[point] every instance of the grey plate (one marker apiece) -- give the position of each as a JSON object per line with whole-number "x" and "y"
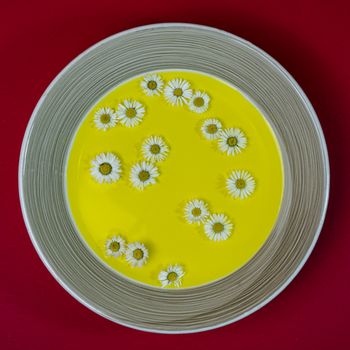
{"x": 89, "y": 77}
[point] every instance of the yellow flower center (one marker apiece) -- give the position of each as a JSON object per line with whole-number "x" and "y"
{"x": 178, "y": 92}
{"x": 172, "y": 276}
{"x": 144, "y": 175}
{"x": 130, "y": 113}
{"x": 196, "y": 212}
{"x": 155, "y": 149}
{"x": 138, "y": 254}
{"x": 152, "y": 85}
{"x": 198, "y": 101}
{"x": 105, "y": 168}
{"x": 212, "y": 129}
{"x": 240, "y": 184}
{"x": 232, "y": 141}
{"x": 114, "y": 246}
{"x": 218, "y": 227}
{"x": 105, "y": 118}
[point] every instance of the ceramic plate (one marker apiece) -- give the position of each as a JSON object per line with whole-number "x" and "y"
{"x": 140, "y": 130}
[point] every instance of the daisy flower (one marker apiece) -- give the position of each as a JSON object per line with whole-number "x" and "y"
{"x": 177, "y": 92}
{"x": 199, "y": 102}
{"x": 154, "y": 149}
{"x": 196, "y": 211}
{"x": 115, "y": 246}
{"x": 152, "y": 84}
{"x": 105, "y": 118}
{"x": 171, "y": 276}
{"x": 240, "y": 184}
{"x": 143, "y": 174}
{"x": 136, "y": 254}
{"x": 130, "y": 113}
{"x": 232, "y": 141}
{"x": 106, "y": 167}
{"x": 218, "y": 227}
{"x": 211, "y": 128}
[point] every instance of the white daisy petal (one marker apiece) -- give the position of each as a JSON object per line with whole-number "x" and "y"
{"x": 171, "y": 276}
{"x": 240, "y": 184}
{"x": 155, "y": 149}
{"x": 115, "y": 246}
{"x": 130, "y": 113}
{"x": 136, "y": 254}
{"x": 211, "y": 128}
{"x": 152, "y": 84}
{"x": 232, "y": 141}
{"x": 105, "y": 118}
{"x": 177, "y": 92}
{"x": 199, "y": 102}
{"x": 196, "y": 211}
{"x": 143, "y": 174}
{"x": 106, "y": 168}
{"x": 218, "y": 227}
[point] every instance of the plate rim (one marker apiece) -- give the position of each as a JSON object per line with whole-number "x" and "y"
{"x": 297, "y": 89}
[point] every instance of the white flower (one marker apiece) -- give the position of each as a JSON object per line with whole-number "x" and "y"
{"x": 152, "y": 84}
{"x": 143, "y": 174}
{"x": 211, "y": 128}
{"x": 240, "y": 184}
{"x": 196, "y": 211}
{"x": 130, "y": 113}
{"x": 115, "y": 246}
{"x": 106, "y": 167}
{"x": 136, "y": 254}
{"x": 105, "y": 118}
{"x": 199, "y": 102}
{"x": 171, "y": 276}
{"x": 177, "y": 92}
{"x": 232, "y": 141}
{"x": 218, "y": 227}
{"x": 155, "y": 149}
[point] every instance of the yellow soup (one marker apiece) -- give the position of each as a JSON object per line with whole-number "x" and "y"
{"x": 194, "y": 168}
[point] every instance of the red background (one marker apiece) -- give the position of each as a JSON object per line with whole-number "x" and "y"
{"x": 309, "y": 38}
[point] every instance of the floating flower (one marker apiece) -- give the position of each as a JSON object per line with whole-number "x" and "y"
{"x": 106, "y": 167}
{"x": 199, "y": 102}
{"x": 152, "y": 84}
{"x": 232, "y": 141}
{"x": 218, "y": 227}
{"x": 155, "y": 149}
{"x": 171, "y": 276}
{"x": 115, "y": 246}
{"x": 177, "y": 92}
{"x": 130, "y": 113}
{"x": 196, "y": 211}
{"x": 143, "y": 174}
{"x": 240, "y": 184}
{"x": 136, "y": 254}
{"x": 211, "y": 128}
{"x": 105, "y": 118}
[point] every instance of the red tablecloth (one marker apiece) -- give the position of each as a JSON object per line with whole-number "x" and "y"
{"x": 309, "y": 38}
